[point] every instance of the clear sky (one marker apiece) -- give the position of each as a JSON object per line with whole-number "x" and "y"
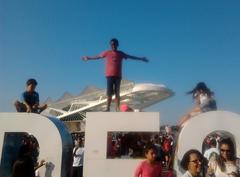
{"x": 186, "y": 42}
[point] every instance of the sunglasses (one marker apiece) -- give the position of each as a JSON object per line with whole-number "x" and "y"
{"x": 225, "y": 150}
{"x": 197, "y": 161}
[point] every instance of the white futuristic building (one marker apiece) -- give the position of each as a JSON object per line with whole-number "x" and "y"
{"x": 72, "y": 109}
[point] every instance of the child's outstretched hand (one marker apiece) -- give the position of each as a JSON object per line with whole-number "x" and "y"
{"x": 43, "y": 162}
{"x": 85, "y": 58}
{"x": 145, "y": 59}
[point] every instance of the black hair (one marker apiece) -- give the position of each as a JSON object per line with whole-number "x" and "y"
{"x": 220, "y": 159}
{"x": 200, "y": 87}
{"x": 114, "y": 40}
{"x": 230, "y": 143}
{"x": 213, "y": 142}
{"x": 149, "y": 147}
{"x": 186, "y": 158}
{"x": 31, "y": 81}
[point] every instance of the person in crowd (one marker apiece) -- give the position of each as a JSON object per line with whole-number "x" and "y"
{"x": 35, "y": 154}
{"x": 167, "y": 149}
{"x": 226, "y": 164}
{"x": 170, "y": 170}
{"x": 213, "y": 149}
{"x": 28, "y": 156}
{"x": 149, "y": 167}
{"x": 24, "y": 165}
{"x": 204, "y": 99}
{"x": 113, "y": 70}
{"x": 159, "y": 151}
{"x": 23, "y": 168}
{"x": 125, "y": 108}
{"x": 78, "y": 153}
{"x": 29, "y": 101}
{"x": 192, "y": 163}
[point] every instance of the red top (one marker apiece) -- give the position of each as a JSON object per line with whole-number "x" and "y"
{"x": 166, "y": 145}
{"x": 149, "y": 170}
{"x": 113, "y": 62}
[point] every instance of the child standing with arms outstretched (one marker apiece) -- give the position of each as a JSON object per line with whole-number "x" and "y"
{"x": 113, "y": 71}
{"x": 149, "y": 167}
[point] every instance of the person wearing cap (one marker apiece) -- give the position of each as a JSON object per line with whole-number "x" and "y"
{"x": 29, "y": 101}
{"x": 204, "y": 99}
{"x": 125, "y": 108}
{"x": 113, "y": 71}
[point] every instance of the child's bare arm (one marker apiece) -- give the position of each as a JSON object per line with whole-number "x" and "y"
{"x": 85, "y": 58}
{"x": 144, "y": 59}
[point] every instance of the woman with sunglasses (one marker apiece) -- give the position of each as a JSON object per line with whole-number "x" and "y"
{"x": 204, "y": 99}
{"x": 192, "y": 163}
{"x": 226, "y": 164}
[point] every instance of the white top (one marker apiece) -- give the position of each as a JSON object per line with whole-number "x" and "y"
{"x": 78, "y": 157}
{"x": 203, "y": 99}
{"x": 208, "y": 152}
{"x": 187, "y": 174}
{"x": 230, "y": 167}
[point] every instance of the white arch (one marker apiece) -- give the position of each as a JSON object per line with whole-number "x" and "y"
{"x": 54, "y": 140}
{"x": 196, "y": 129}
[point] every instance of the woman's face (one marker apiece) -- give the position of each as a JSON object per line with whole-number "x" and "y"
{"x": 197, "y": 96}
{"x": 225, "y": 151}
{"x": 194, "y": 164}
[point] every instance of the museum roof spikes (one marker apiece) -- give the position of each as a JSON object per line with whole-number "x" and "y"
{"x": 89, "y": 90}
{"x": 66, "y": 96}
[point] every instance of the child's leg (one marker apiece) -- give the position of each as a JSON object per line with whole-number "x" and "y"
{"x": 117, "y": 100}
{"x": 117, "y": 84}
{"x": 166, "y": 160}
{"x": 20, "y": 107}
{"x": 109, "y": 100}
{"x": 42, "y": 108}
{"x": 183, "y": 120}
{"x": 109, "y": 92}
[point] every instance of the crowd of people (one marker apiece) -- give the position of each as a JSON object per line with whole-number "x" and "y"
{"x": 126, "y": 145}
{"x": 132, "y": 144}
{"x": 218, "y": 157}
{"x": 159, "y": 154}
{"x": 222, "y": 162}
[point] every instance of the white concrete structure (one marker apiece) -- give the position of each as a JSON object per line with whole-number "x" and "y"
{"x": 54, "y": 140}
{"x": 196, "y": 129}
{"x": 97, "y": 126}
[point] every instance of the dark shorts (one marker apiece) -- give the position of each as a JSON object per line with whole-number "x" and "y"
{"x": 113, "y": 86}
{"x": 77, "y": 171}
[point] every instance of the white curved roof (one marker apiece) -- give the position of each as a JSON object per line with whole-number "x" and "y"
{"x": 137, "y": 96}
{"x": 148, "y": 87}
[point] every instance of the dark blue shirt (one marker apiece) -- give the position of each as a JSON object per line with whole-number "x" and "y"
{"x": 30, "y": 98}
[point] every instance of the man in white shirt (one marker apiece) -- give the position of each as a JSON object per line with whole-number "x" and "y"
{"x": 78, "y": 152}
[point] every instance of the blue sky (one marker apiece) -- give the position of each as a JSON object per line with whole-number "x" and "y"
{"x": 185, "y": 41}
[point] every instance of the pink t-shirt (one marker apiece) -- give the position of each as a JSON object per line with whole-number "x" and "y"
{"x": 149, "y": 170}
{"x": 113, "y": 62}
